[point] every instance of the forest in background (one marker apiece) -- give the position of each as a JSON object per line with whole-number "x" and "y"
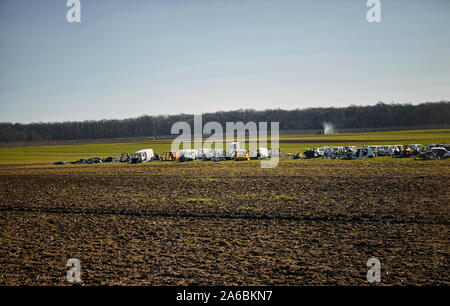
{"x": 381, "y": 115}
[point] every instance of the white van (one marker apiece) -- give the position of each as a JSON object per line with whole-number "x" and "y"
{"x": 363, "y": 152}
{"x": 142, "y": 156}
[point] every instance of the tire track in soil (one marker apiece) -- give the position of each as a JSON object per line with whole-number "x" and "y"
{"x": 339, "y": 219}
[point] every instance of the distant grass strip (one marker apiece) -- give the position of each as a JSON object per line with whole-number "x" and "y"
{"x": 199, "y": 200}
{"x": 48, "y": 154}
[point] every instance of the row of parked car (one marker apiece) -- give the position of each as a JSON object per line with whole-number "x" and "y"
{"x": 418, "y": 151}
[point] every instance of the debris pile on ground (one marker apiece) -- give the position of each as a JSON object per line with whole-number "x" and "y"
{"x": 418, "y": 151}
{"x": 92, "y": 160}
{"x": 137, "y": 157}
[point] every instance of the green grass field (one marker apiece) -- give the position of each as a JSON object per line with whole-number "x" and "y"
{"x": 288, "y": 143}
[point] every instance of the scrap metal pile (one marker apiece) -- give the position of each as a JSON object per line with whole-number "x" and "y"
{"x": 417, "y": 151}
{"x": 234, "y": 152}
{"x": 137, "y": 157}
{"x": 146, "y": 155}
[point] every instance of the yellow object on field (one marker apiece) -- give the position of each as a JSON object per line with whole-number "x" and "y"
{"x": 241, "y": 155}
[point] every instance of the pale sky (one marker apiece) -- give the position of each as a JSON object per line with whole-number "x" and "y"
{"x": 128, "y": 58}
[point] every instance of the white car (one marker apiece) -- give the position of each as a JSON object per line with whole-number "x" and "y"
{"x": 187, "y": 155}
{"x": 363, "y": 152}
{"x": 440, "y": 152}
{"x": 260, "y": 153}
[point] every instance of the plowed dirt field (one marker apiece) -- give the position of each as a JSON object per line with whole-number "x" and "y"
{"x": 305, "y": 222}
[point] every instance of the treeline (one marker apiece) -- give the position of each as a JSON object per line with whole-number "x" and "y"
{"x": 377, "y": 116}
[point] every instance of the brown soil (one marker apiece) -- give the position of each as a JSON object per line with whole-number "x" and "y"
{"x": 226, "y": 223}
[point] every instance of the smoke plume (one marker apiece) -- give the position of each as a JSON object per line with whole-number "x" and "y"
{"x": 328, "y": 128}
